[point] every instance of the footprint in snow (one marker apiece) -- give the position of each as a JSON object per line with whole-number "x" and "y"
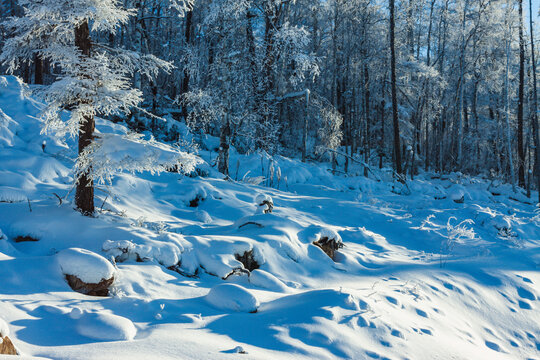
{"x": 385, "y": 343}
{"x": 426, "y": 331}
{"x": 362, "y": 322}
{"x": 392, "y": 300}
{"x": 524, "y": 305}
{"x": 422, "y": 313}
{"x": 527, "y": 280}
{"x": 526, "y": 294}
{"x": 513, "y": 343}
{"x": 452, "y": 287}
{"x": 397, "y": 333}
{"x": 493, "y": 346}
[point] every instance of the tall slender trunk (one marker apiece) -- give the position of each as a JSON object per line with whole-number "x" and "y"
{"x": 507, "y": 114}
{"x": 223, "y": 157}
{"x": 397, "y": 146}
{"x": 185, "y": 80}
{"x": 367, "y": 94}
{"x": 535, "y": 104}
{"x": 521, "y": 150}
{"x": 84, "y": 193}
{"x": 38, "y": 69}
{"x": 461, "y": 88}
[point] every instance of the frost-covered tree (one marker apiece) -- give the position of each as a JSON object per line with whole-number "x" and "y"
{"x": 94, "y": 79}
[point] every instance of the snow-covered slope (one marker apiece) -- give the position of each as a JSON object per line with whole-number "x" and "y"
{"x": 420, "y": 276}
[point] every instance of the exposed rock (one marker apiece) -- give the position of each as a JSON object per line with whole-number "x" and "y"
{"x": 6, "y": 346}
{"x": 99, "y": 289}
{"x": 85, "y": 271}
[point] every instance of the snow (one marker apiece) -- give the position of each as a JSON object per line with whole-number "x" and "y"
{"x": 165, "y": 254}
{"x": 106, "y": 327}
{"x": 88, "y": 266}
{"x": 4, "y": 329}
{"x": 419, "y": 276}
{"x": 330, "y": 234}
{"x": 232, "y": 297}
{"x": 266, "y": 280}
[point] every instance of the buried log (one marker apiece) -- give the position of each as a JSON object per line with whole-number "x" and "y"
{"x": 25, "y": 238}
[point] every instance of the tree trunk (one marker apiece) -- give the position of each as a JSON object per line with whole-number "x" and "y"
{"x": 535, "y": 104}
{"x": 84, "y": 194}
{"x": 38, "y": 69}
{"x": 223, "y": 158}
{"x": 397, "y": 147}
{"x": 305, "y": 133}
{"x": 521, "y": 150}
{"x": 185, "y": 80}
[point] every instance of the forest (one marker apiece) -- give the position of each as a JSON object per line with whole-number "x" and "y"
{"x": 439, "y": 86}
{"x": 269, "y": 179}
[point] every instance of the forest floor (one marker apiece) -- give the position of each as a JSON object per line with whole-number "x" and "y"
{"x": 446, "y": 267}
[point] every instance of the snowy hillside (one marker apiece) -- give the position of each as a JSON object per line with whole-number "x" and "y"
{"x": 448, "y": 267}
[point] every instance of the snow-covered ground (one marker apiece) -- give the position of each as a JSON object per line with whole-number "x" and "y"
{"x": 421, "y": 274}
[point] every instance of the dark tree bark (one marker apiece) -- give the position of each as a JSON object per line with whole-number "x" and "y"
{"x": 38, "y": 69}
{"x": 535, "y": 104}
{"x": 84, "y": 194}
{"x": 521, "y": 150}
{"x": 223, "y": 159}
{"x": 185, "y": 80}
{"x": 397, "y": 147}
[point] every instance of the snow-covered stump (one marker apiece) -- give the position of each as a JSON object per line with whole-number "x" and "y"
{"x": 6, "y": 346}
{"x": 330, "y": 242}
{"x": 86, "y": 272}
{"x": 265, "y": 204}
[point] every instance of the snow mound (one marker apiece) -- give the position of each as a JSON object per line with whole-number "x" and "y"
{"x": 266, "y": 280}
{"x": 330, "y": 235}
{"x": 203, "y": 216}
{"x": 7, "y": 129}
{"x": 232, "y": 297}
{"x": 166, "y": 254}
{"x": 105, "y": 327}
{"x": 4, "y": 329}
{"x": 84, "y": 264}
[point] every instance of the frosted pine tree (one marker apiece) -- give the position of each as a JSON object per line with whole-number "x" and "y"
{"x": 94, "y": 80}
